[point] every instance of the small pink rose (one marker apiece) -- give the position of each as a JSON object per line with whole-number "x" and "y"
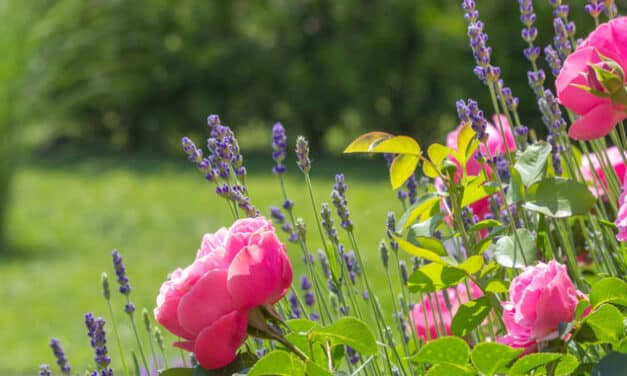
{"x": 207, "y": 303}
{"x": 590, "y": 163}
{"x": 540, "y": 298}
{"x": 457, "y": 296}
{"x": 621, "y": 217}
{"x": 598, "y": 114}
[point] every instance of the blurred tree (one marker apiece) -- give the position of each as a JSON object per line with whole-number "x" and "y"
{"x": 135, "y": 73}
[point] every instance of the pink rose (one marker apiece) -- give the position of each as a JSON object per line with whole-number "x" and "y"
{"x": 207, "y": 303}
{"x": 473, "y": 167}
{"x": 541, "y": 298}
{"x": 433, "y": 322}
{"x": 599, "y": 114}
{"x": 621, "y": 216}
{"x": 590, "y": 163}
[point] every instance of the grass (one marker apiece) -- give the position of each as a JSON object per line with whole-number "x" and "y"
{"x": 70, "y": 209}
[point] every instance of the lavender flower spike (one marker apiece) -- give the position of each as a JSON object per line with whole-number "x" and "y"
{"x": 58, "y": 352}
{"x": 279, "y": 147}
{"x": 95, "y": 331}
{"x": 44, "y": 370}
{"x": 120, "y": 271}
{"x": 302, "y": 154}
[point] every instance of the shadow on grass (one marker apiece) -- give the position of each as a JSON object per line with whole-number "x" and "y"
{"x": 21, "y": 252}
{"x": 99, "y": 160}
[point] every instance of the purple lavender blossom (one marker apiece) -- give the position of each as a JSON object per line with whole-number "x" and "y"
{"x": 502, "y": 167}
{"x": 292, "y": 299}
{"x": 305, "y": 284}
{"x": 120, "y": 271}
{"x": 595, "y": 8}
{"x": 552, "y": 57}
{"x": 560, "y": 40}
{"x": 384, "y": 254}
{"x": 327, "y": 223}
{"x": 58, "y": 352}
{"x": 279, "y": 148}
{"x": 352, "y": 355}
{"x": 310, "y": 298}
{"x": 412, "y": 189}
{"x": 95, "y": 331}
{"x": 391, "y": 230}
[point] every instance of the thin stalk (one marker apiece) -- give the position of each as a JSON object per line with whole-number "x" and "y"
{"x": 117, "y": 337}
{"x": 139, "y": 343}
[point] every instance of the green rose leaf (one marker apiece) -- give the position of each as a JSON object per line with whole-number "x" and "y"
{"x": 472, "y": 264}
{"x": 496, "y": 286}
{"x": 366, "y": 142}
{"x": 347, "y": 331}
{"x": 397, "y": 145}
{"x": 611, "y": 364}
{"x": 418, "y": 251}
{"x": 559, "y": 198}
{"x": 515, "y": 193}
{"x": 442, "y": 369}
{"x": 531, "y": 164}
{"x": 402, "y": 167}
{"x": 437, "y": 153}
{"x": 315, "y": 370}
{"x": 444, "y": 350}
{"x": 604, "y": 325}
{"x": 178, "y": 372}
{"x": 433, "y": 277}
{"x": 507, "y": 250}
{"x": 490, "y": 358}
{"x": 567, "y": 365}
{"x": 470, "y": 315}
{"x": 609, "y": 290}
{"x": 526, "y": 364}
{"x": 485, "y": 224}
{"x": 420, "y": 210}
{"x": 279, "y": 363}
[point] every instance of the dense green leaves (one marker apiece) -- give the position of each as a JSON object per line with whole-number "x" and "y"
{"x": 470, "y": 315}
{"x": 559, "y": 198}
{"x": 444, "y": 350}
{"x": 420, "y": 210}
{"x": 516, "y": 251}
{"x": 490, "y": 358}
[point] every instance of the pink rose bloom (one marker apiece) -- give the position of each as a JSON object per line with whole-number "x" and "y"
{"x": 598, "y": 115}
{"x": 541, "y": 298}
{"x": 207, "y": 303}
{"x": 473, "y": 167}
{"x": 621, "y": 217}
{"x": 588, "y": 165}
{"x": 433, "y": 318}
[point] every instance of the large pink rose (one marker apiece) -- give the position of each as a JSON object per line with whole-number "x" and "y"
{"x": 598, "y": 115}
{"x": 433, "y": 317}
{"x": 495, "y": 144}
{"x": 207, "y": 303}
{"x": 540, "y": 298}
{"x": 590, "y": 163}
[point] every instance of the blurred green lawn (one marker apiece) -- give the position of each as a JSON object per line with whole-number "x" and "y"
{"x": 70, "y": 209}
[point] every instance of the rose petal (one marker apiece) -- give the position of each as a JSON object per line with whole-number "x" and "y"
{"x": 206, "y": 302}
{"x": 577, "y": 99}
{"x": 216, "y": 345}
{"x": 597, "y": 123}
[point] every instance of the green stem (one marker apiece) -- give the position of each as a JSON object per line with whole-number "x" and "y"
{"x": 117, "y": 337}
{"x": 139, "y": 343}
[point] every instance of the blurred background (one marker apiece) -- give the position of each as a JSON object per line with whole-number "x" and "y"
{"x": 95, "y": 96}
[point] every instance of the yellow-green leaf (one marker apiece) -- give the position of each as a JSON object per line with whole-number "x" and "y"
{"x": 365, "y": 142}
{"x": 464, "y": 140}
{"x": 418, "y": 251}
{"x": 398, "y": 145}
{"x": 476, "y": 190}
{"x": 403, "y": 166}
{"x": 437, "y": 153}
